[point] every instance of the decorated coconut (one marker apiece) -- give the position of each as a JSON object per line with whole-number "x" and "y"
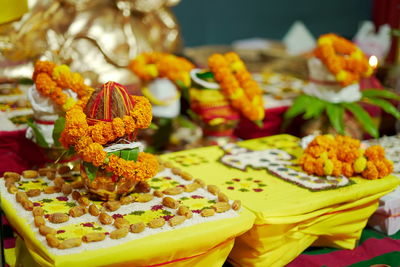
{"x": 103, "y": 132}
{"x": 56, "y": 89}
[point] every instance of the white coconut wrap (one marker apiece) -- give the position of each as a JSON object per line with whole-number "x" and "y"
{"x": 163, "y": 89}
{"x": 45, "y": 111}
{"x": 323, "y": 85}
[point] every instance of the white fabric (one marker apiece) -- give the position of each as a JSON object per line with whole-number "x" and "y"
{"x": 117, "y": 147}
{"x": 373, "y": 42}
{"x": 205, "y": 84}
{"x": 46, "y": 110}
{"x": 164, "y": 89}
{"x": 298, "y": 39}
{"x": 329, "y": 93}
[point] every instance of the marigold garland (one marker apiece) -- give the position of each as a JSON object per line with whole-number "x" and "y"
{"x": 148, "y": 66}
{"x": 50, "y": 81}
{"x": 88, "y": 140}
{"x": 238, "y": 85}
{"x": 341, "y": 155}
{"x": 342, "y": 58}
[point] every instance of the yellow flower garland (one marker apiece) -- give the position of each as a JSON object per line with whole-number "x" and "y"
{"x": 238, "y": 85}
{"x": 148, "y": 66}
{"x": 342, "y": 58}
{"x": 51, "y": 80}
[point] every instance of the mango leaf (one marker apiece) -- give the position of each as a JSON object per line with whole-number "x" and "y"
{"x": 363, "y": 118}
{"x": 130, "y": 154}
{"x": 386, "y": 106}
{"x": 315, "y": 109}
{"x": 38, "y": 134}
{"x": 205, "y": 75}
{"x": 380, "y": 93}
{"x": 335, "y": 114}
{"x": 184, "y": 122}
{"x": 59, "y": 126}
{"x": 91, "y": 170}
{"x": 299, "y": 106}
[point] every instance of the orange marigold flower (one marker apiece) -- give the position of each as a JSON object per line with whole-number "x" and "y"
{"x": 370, "y": 172}
{"x": 83, "y": 143}
{"x": 141, "y": 113}
{"x": 347, "y": 169}
{"x": 382, "y": 168}
{"x": 129, "y": 124}
{"x": 118, "y": 127}
{"x": 319, "y": 167}
{"x": 375, "y": 153}
{"x": 96, "y": 131}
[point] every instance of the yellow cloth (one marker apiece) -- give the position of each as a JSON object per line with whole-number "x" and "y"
{"x": 12, "y": 9}
{"x": 289, "y": 218}
{"x": 205, "y": 243}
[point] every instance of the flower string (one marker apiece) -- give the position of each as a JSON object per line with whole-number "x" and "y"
{"x": 238, "y": 85}
{"x": 341, "y": 155}
{"x": 342, "y": 58}
{"x": 50, "y": 81}
{"x": 148, "y": 66}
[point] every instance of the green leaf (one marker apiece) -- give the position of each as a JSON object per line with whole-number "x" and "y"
{"x": 180, "y": 84}
{"x": 315, "y": 108}
{"x": 205, "y": 75}
{"x": 299, "y": 106}
{"x": 363, "y": 118}
{"x": 335, "y": 114}
{"x": 130, "y": 154}
{"x": 184, "y": 122}
{"x": 46, "y": 200}
{"x": 38, "y": 135}
{"x": 59, "y": 126}
{"x": 91, "y": 170}
{"x": 380, "y": 93}
{"x": 386, "y": 106}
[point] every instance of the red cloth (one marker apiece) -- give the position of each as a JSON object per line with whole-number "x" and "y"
{"x": 18, "y": 153}
{"x": 271, "y": 124}
{"x": 369, "y": 249}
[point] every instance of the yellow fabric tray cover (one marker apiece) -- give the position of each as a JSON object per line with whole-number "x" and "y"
{"x": 289, "y": 218}
{"x": 201, "y": 244}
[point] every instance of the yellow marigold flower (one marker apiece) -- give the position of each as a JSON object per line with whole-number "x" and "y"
{"x": 69, "y": 103}
{"x": 328, "y": 167}
{"x": 360, "y": 164}
{"x": 341, "y": 76}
